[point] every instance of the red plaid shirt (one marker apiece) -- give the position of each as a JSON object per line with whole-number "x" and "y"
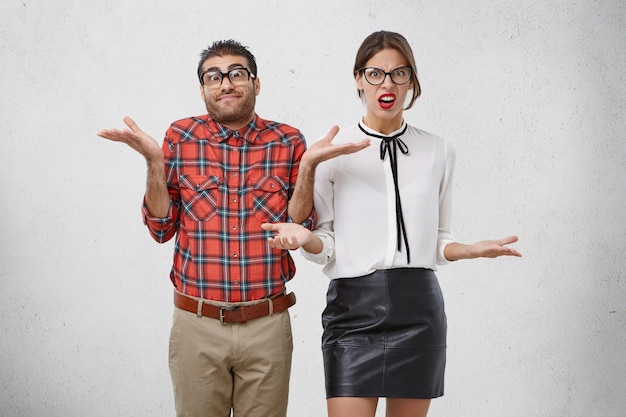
{"x": 223, "y": 185}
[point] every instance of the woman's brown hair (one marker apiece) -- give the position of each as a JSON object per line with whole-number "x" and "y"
{"x": 380, "y": 40}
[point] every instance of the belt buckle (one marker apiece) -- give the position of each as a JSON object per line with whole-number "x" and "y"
{"x": 223, "y": 316}
{"x": 238, "y": 309}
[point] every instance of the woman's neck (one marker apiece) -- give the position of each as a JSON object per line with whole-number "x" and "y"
{"x": 385, "y": 127}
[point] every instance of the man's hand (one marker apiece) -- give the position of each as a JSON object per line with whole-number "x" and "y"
{"x": 136, "y": 139}
{"x": 323, "y": 149}
{"x": 291, "y": 236}
{"x": 157, "y": 196}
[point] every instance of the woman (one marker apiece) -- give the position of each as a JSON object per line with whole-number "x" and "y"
{"x": 383, "y": 225}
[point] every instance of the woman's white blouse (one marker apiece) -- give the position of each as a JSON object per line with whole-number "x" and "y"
{"x": 355, "y": 205}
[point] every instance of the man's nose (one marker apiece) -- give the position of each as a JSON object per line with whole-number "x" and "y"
{"x": 226, "y": 84}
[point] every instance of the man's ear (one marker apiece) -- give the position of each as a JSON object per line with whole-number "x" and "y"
{"x": 257, "y": 86}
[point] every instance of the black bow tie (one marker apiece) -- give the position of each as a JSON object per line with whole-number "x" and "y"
{"x": 391, "y": 144}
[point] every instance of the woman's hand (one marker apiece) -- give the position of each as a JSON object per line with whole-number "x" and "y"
{"x": 483, "y": 249}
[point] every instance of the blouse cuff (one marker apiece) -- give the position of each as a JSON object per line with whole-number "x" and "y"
{"x": 441, "y": 259}
{"x": 321, "y": 258}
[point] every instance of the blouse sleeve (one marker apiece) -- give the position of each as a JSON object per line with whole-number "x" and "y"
{"x": 444, "y": 236}
{"x": 324, "y": 211}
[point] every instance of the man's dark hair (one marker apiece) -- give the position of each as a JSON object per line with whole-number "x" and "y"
{"x": 227, "y": 47}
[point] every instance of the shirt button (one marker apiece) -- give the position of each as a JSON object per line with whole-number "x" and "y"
{"x": 235, "y": 255}
{"x": 234, "y": 174}
{"x": 234, "y": 227}
{"x": 234, "y": 200}
{"x": 236, "y": 282}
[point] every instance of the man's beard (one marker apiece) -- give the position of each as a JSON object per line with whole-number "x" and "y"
{"x": 239, "y": 115}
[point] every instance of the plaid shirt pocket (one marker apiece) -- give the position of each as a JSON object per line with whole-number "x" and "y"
{"x": 198, "y": 195}
{"x": 269, "y": 199}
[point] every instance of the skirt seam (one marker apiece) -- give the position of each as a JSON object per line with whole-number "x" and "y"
{"x": 383, "y": 347}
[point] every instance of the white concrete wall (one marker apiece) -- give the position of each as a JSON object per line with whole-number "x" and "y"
{"x": 530, "y": 92}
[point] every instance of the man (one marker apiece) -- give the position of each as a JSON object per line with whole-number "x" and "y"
{"x": 212, "y": 184}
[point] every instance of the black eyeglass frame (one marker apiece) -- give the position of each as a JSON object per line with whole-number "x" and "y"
{"x": 227, "y": 74}
{"x": 390, "y": 74}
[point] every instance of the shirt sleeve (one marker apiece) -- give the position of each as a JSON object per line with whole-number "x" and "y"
{"x": 163, "y": 229}
{"x": 300, "y": 148}
{"x": 444, "y": 237}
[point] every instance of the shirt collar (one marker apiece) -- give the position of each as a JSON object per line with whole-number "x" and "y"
{"x": 392, "y": 134}
{"x": 221, "y": 133}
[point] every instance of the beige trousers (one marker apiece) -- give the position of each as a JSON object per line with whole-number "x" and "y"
{"x": 216, "y": 368}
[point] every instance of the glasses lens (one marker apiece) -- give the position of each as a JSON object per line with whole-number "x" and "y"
{"x": 374, "y": 76}
{"x": 401, "y": 75}
{"x": 238, "y": 76}
{"x": 212, "y": 79}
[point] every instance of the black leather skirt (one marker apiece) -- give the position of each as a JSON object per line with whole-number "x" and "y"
{"x": 385, "y": 335}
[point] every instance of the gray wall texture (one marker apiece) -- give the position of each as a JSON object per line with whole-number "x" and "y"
{"x": 531, "y": 93}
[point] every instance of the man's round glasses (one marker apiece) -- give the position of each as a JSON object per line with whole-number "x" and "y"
{"x": 236, "y": 76}
{"x": 376, "y": 76}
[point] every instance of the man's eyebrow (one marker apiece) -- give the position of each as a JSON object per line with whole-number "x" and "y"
{"x": 231, "y": 66}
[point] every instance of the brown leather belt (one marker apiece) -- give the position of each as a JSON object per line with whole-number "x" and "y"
{"x": 238, "y": 314}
